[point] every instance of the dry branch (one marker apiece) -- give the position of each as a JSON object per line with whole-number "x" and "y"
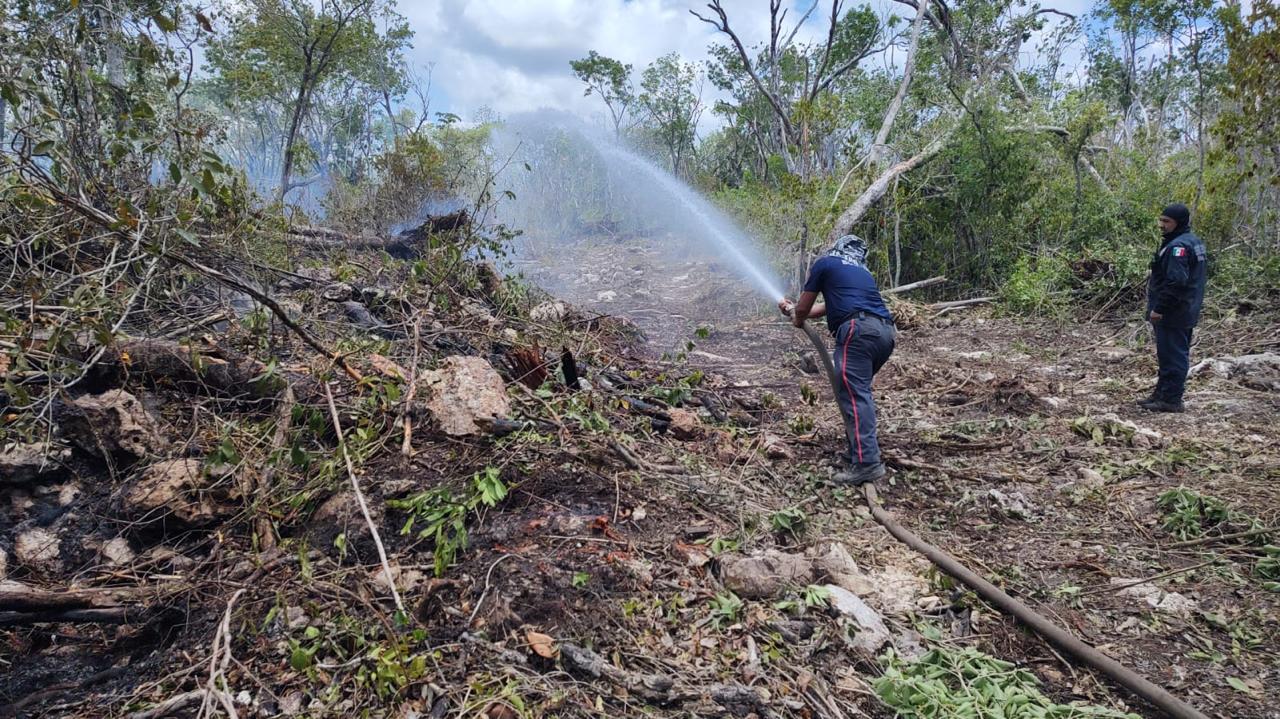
{"x": 364, "y": 506}
{"x": 916, "y": 285}
{"x": 220, "y": 370}
{"x": 23, "y": 605}
{"x": 405, "y": 242}
{"x": 876, "y": 190}
{"x": 878, "y": 146}
{"x": 961, "y": 303}
{"x": 276, "y": 309}
{"x": 18, "y": 597}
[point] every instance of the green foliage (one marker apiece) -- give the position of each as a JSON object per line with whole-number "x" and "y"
{"x": 312, "y": 74}
{"x": 673, "y": 106}
{"x": 815, "y": 596}
{"x": 610, "y": 80}
{"x": 105, "y": 176}
{"x": 1032, "y": 285}
{"x": 1267, "y": 568}
{"x": 726, "y": 609}
{"x": 962, "y": 682}
{"x": 442, "y": 515}
{"x": 1189, "y": 514}
{"x": 790, "y": 520}
{"x": 386, "y": 665}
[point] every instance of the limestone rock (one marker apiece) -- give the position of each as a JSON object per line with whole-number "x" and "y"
{"x": 337, "y": 509}
{"x": 685, "y": 425}
{"x": 871, "y": 634}
{"x": 1014, "y": 505}
{"x": 767, "y": 575}
{"x": 690, "y": 555}
{"x": 548, "y": 312}
{"x": 28, "y": 462}
{"x": 833, "y": 560}
{"x": 171, "y": 488}
{"x": 360, "y": 316}
{"x": 114, "y": 421}
{"x": 1256, "y": 371}
{"x": 1113, "y": 354}
{"x": 1091, "y": 478}
{"x": 38, "y": 549}
{"x": 1158, "y": 599}
{"x": 117, "y": 551}
{"x": 476, "y": 310}
{"x": 775, "y": 447}
{"x": 464, "y": 392}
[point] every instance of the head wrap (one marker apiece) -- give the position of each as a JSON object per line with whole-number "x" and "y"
{"x": 851, "y": 249}
{"x": 1179, "y": 213}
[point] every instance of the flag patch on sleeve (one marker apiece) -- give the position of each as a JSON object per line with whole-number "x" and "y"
{"x": 1179, "y": 251}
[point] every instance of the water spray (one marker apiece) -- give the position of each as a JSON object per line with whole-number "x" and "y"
{"x": 718, "y": 227}
{"x": 625, "y": 177}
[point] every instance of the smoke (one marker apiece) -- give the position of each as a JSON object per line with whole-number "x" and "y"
{"x": 566, "y": 184}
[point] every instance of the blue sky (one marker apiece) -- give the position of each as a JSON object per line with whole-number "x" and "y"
{"x": 513, "y": 56}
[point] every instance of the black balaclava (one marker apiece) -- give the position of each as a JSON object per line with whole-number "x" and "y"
{"x": 1179, "y": 213}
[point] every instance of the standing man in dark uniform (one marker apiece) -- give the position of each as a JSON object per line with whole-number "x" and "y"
{"x": 865, "y": 336}
{"x": 1175, "y": 293}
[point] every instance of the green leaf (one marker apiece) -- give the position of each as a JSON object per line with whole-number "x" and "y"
{"x": 164, "y": 22}
{"x": 10, "y": 95}
{"x": 491, "y": 487}
{"x": 300, "y": 659}
{"x": 1239, "y": 685}
{"x": 44, "y": 147}
{"x": 187, "y": 236}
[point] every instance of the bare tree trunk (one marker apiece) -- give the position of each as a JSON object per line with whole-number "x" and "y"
{"x": 391, "y": 116}
{"x": 1195, "y": 41}
{"x": 295, "y": 123}
{"x": 877, "y": 151}
{"x": 876, "y": 190}
{"x": 897, "y": 236}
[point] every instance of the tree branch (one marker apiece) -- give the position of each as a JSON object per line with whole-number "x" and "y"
{"x": 876, "y": 190}
{"x": 723, "y": 26}
{"x": 891, "y": 114}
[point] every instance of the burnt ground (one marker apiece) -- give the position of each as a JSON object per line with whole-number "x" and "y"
{"x": 595, "y": 587}
{"x": 973, "y": 403}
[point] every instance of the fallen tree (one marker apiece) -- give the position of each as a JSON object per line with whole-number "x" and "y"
{"x": 404, "y": 244}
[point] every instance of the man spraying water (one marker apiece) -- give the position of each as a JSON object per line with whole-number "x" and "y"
{"x": 864, "y": 336}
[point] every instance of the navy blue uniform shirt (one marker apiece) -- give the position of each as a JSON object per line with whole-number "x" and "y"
{"x": 1176, "y": 286}
{"x": 847, "y": 289}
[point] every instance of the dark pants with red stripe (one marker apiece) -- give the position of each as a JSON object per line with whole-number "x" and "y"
{"x": 863, "y": 345}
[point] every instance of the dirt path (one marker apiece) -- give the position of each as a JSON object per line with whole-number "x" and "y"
{"x": 1017, "y": 446}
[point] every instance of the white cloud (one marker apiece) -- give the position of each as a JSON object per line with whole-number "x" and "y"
{"x": 513, "y": 56}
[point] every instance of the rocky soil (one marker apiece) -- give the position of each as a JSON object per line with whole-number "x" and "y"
{"x": 524, "y": 508}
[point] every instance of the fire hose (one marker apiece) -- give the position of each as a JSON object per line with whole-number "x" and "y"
{"x": 1056, "y": 635}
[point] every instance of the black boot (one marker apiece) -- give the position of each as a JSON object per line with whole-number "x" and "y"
{"x": 1164, "y": 405}
{"x": 1152, "y": 399}
{"x": 861, "y": 473}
